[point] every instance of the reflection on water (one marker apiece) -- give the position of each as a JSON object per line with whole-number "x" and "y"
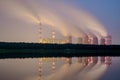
{"x": 76, "y": 68}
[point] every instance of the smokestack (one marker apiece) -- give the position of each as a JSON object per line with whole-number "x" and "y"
{"x": 108, "y": 40}
{"x": 40, "y": 32}
{"x": 93, "y": 40}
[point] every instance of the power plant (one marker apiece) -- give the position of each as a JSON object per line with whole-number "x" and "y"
{"x": 85, "y": 39}
{"x": 62, "y": 23}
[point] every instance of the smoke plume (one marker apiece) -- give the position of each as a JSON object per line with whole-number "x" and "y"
{"x": 65, "y": 18}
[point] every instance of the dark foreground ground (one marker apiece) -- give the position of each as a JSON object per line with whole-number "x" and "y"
{"x": 36, "y": 50}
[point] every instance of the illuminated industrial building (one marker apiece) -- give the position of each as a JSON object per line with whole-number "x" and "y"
{"x": 86, "y": 39}
{"x": 108, "y": 40}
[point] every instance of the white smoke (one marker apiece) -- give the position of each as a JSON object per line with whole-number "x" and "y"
{"x": 67, "y": 19}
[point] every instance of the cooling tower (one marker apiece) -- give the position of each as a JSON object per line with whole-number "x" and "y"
{"x": 102, "y": 41}
{"x": 93, "y": 40}
{"x": 85, "y": 39}
{"x": 69, "y": 39}
{"x": 108, "y": 40}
